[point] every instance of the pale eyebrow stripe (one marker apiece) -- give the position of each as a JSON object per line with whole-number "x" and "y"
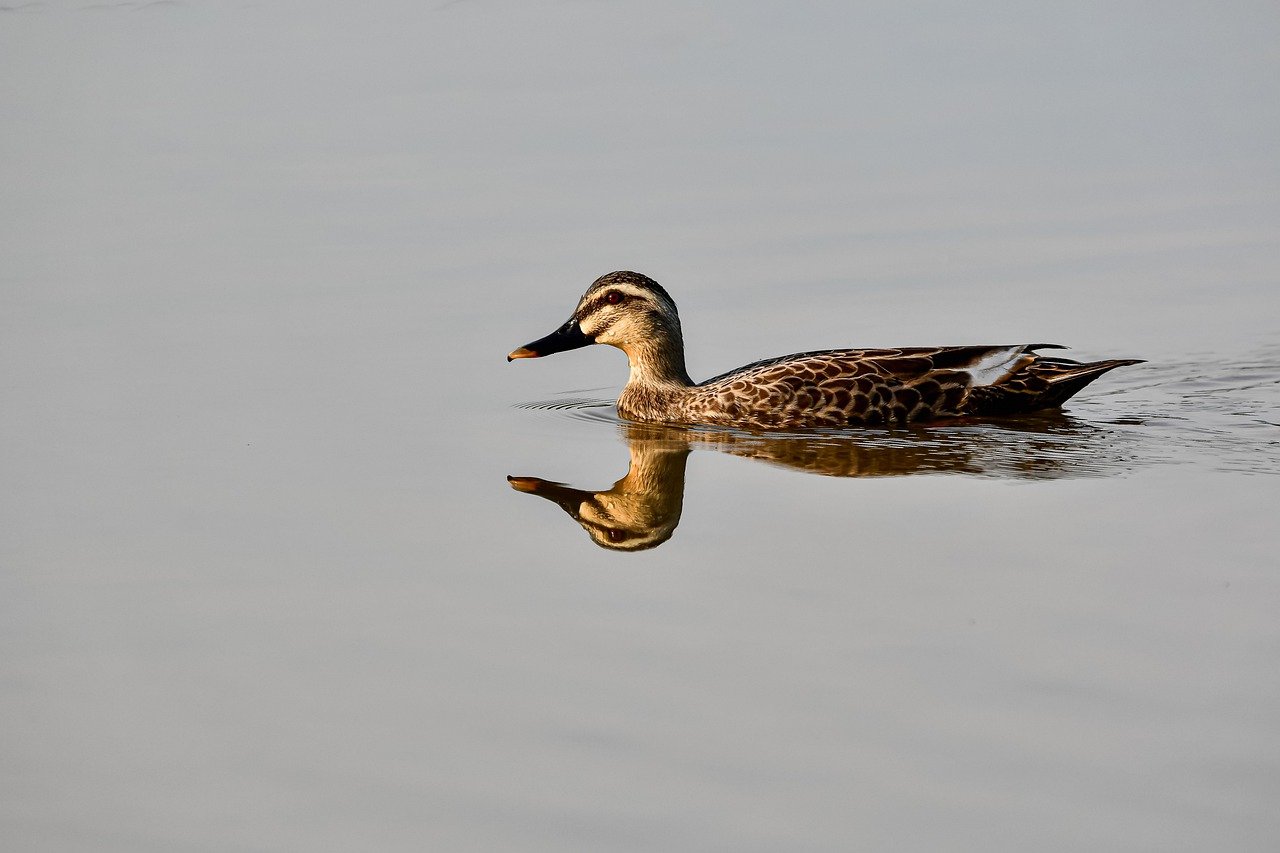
{"x": 592, "y": 306}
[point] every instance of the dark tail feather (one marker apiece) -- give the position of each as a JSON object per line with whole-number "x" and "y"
{"x": 1072, "y": 378}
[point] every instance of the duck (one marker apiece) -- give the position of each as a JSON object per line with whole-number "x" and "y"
{"x": 820, "y": 389}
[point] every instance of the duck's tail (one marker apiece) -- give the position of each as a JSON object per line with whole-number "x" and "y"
{"x": 1042, "y": 382}
{"x": 1071, "y": 377}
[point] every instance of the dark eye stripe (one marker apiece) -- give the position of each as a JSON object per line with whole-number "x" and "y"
{"x": 600, "y": 302}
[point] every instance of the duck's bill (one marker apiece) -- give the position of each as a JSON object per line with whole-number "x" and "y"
{"x": 565, "y": 495}
{"x": 567, "y": 337}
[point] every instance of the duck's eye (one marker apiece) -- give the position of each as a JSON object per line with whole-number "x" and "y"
{"x": 614, "y": 297}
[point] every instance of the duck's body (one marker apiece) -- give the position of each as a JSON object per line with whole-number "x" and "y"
{"x": 827, "y": 388}
{"x": 837, "y": 388}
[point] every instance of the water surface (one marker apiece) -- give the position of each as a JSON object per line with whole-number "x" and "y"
{"x": 266, "y": 581}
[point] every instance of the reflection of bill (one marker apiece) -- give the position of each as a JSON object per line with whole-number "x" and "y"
{"x": 642, "y": 509}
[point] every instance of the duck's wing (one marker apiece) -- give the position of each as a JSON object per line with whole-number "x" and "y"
{"x": 1002, "y": 380}
{"x": 985, "y": 363}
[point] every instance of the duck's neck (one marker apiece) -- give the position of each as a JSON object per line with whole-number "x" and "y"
{"x": 659, "y": 383}
{"x": 658, "y": 361}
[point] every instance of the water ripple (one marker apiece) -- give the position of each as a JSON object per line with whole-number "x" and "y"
{"x": 1221, "y": 412}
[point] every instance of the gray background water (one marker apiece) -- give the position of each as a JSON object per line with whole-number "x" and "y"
{"x": 265, "y": 585}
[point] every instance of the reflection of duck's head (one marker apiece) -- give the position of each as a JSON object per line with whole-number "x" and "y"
{"x": 640, "y": 511}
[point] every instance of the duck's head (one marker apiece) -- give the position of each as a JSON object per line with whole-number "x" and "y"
{"x": 623, "y": 309}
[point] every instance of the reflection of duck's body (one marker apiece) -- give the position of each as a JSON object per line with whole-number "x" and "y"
{"x": 829, "y": 388}
{"x": 643, "y": 508}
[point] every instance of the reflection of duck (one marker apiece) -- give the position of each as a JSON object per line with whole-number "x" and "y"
{"x": 831, "y": 388}
{"x": 640, "y": 511}
{"x": 643, "y": 508}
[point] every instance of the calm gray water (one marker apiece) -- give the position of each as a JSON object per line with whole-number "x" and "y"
{"x": 266, "y": 583}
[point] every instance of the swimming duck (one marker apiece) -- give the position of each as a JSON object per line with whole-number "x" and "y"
{"x": 820, "y": 389}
